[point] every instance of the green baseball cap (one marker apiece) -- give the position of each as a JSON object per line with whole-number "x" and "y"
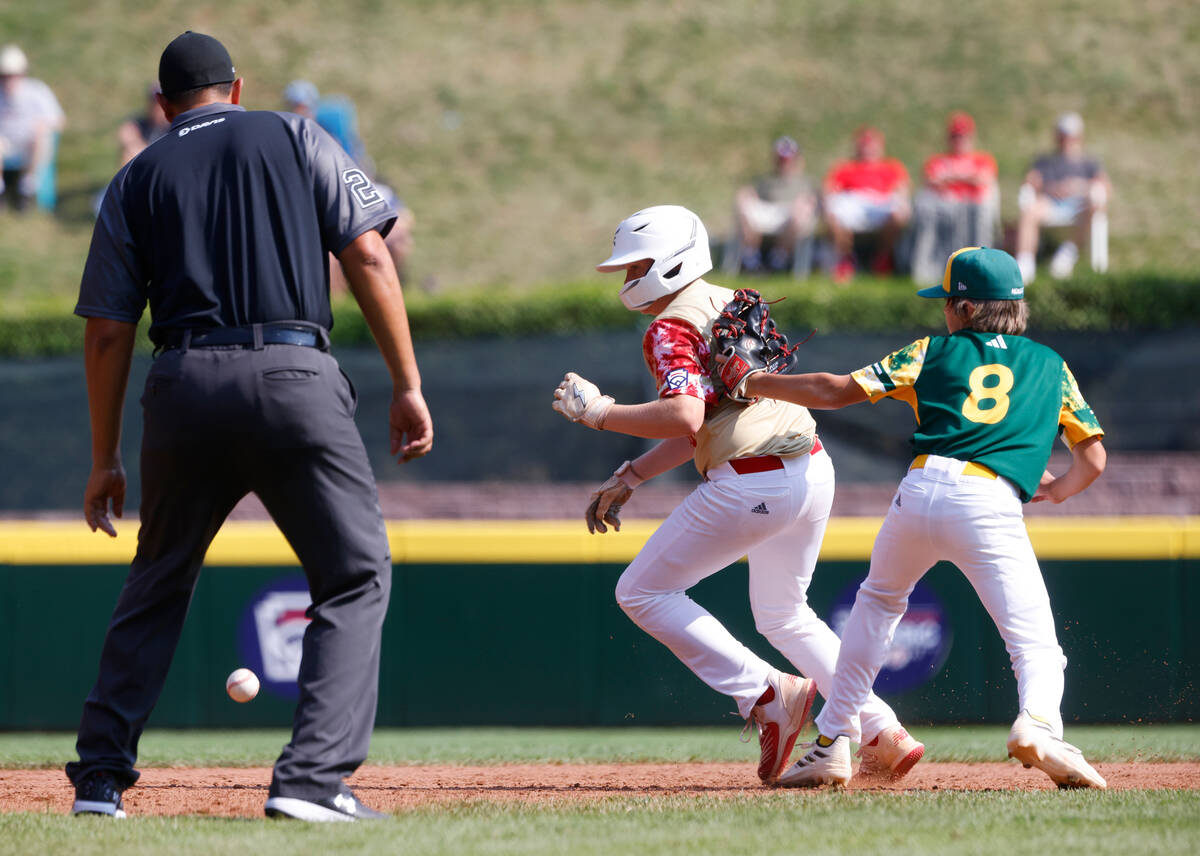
{"x": 981, "y": 273}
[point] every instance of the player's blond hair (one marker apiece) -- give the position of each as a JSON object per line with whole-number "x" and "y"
{"x": 992, "y": 316}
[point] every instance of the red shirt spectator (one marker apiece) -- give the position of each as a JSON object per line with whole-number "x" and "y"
{"x": 880, "y": 178}
{"x": 866, "y": 194}
{"x": 968, "y": 178}
{"x": 961, "y": 173}
{"x": 958, "y": 204}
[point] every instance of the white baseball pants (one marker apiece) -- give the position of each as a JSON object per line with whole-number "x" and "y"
{"x": 976, "y": 523}
{"x": 777, "y": 519}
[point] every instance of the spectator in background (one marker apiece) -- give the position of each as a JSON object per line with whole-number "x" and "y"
{"x": 30, "y": 121}
{"x": 1065, "y": 188}
{"x": 959, "y": 203}
{"x": 139, "y": 131}
{"x": 336, "y": 114}
{"x": 869, "y": 193}
{"x": 780, "y": 205}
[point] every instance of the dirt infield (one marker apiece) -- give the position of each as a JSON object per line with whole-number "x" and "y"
{"x": 233, "y": 792}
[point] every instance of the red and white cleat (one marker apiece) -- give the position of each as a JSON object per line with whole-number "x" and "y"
{"x": 781, "y": 713}
{"x": 890, "y": 755}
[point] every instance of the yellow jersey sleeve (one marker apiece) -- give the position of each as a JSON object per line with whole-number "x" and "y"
{"x": 1076, "y": 417}
{"x": 895, "y": 373}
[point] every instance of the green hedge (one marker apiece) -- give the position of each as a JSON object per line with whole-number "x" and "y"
{"x": 1136, "y": 301}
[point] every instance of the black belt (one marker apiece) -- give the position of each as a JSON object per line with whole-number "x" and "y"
{"x": 254, "y": 336}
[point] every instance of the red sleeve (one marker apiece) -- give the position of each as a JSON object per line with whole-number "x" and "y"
{"x": 933, "y": 169}
{"x": 678, "y": 356}
{"x": 986, "y": 164}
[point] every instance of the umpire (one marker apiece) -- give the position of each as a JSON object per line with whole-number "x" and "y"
{"x": 224, "y": 226}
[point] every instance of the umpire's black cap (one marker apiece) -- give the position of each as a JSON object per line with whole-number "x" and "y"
{"x": 193, "y": 60}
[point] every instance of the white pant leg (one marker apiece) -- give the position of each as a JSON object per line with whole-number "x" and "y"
{"x": 711, "y": 529}
{"x": 781, "y": 569}
{"x": 901, "y": 556}
{"x": 977, "y": 524}
{"x": 996, "y": 557}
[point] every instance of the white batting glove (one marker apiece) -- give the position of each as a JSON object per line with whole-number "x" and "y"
{"x": 606, "y": 502}
{"x": 580, "y": 401}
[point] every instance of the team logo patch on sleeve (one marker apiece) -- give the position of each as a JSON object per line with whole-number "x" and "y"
{"x": 676, "y": 379}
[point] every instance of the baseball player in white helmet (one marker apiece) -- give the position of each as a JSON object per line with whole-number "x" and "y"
{"x": 767, "y": 491}
{"x": 989, "y": 403}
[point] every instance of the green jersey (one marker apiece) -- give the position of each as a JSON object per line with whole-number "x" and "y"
{"x": 993, "y": 399}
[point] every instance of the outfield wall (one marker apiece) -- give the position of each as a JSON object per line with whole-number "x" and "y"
{"x": 1129, "y": 379}
{"x": 515, "y": 623}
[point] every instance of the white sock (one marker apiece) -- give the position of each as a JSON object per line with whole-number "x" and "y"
{"x": 1064, "y": 260}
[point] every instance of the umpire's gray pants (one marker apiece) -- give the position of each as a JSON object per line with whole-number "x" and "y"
{"x": 219, "y": 423}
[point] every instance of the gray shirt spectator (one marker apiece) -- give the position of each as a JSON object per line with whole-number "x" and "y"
{"x": 1064, "y": 176}
{"x": 30, "y": 117}
{"x": 779, "y": 206}
{"x": 1065, "y": 189}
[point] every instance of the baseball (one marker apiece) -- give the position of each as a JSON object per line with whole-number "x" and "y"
{"x": 242, "y": 685}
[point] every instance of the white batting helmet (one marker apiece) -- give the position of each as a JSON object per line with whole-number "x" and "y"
{"x": 674, "y": 238}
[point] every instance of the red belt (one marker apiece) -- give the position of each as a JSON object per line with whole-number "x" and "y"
{"x": 765, "y": 463}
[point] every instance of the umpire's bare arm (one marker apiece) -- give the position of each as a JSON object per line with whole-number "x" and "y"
{"x": 107, "y": 351}
{"x": 375, "y": 285}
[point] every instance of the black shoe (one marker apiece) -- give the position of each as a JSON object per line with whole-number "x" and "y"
{"x": 98, "y": 793}
{"x": 342, "y": 806}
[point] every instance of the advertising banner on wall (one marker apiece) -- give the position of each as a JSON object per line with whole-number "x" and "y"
{"x": 271, "y": 633}
{"x": 919, "y": 646}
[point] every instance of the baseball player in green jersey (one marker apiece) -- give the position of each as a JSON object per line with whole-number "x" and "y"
{"x": 989, "y": 403}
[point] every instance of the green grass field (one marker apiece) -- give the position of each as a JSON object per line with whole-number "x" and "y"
{"x": 1063, "y": 824}
{"x": 951, "y": 822}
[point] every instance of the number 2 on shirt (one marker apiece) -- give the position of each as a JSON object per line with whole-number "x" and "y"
{"x": 982, "y": 391}
{"x": 364, "y": 192}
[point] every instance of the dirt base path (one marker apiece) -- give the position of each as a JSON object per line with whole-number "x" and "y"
{"x": 234, "y": 792}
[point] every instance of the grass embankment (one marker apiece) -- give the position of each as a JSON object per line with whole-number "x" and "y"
{"x": 521, "y": 132}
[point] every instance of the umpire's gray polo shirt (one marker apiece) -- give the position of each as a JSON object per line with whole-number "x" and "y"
{"x": 227, "y": 221}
